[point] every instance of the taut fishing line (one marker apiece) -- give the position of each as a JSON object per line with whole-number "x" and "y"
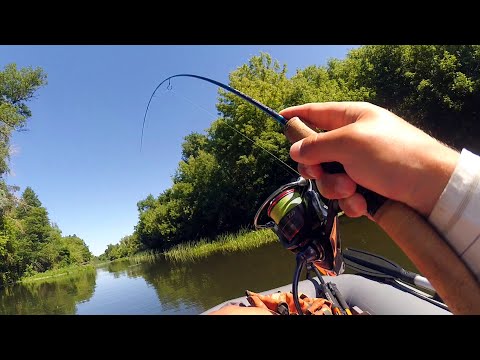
{"x": 237, "y": 131}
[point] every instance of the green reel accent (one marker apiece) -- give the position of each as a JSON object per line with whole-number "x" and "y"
{"x": 284, "y": 205}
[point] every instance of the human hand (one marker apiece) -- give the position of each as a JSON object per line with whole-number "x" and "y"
{"x": 378, "y": 150}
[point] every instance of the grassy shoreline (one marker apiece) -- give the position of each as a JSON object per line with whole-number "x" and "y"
{"x": 55, "y": 273}
{"x": 243, "y": 240}
{"x": 144, "y": 256}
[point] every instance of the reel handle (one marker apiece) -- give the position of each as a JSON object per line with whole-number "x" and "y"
{"x": 296, "y": 129}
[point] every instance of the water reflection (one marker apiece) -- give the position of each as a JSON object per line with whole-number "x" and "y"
{"x": 198, "y": 286}
{"x": 59, "y": 295}
{"x": 121, "y": 292}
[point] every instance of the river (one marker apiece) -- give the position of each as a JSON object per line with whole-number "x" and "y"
{"x": 166, "y": 288}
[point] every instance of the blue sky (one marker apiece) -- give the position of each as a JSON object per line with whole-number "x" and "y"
{"x": 81, "y": 153}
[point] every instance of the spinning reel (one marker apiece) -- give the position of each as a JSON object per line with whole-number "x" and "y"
{"x": 307, "y": 226}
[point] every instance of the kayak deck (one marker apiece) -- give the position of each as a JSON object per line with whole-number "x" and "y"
{"x": 372, "y": 296}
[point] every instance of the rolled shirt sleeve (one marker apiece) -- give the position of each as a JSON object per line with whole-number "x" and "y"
{"x": 456, "y": 215}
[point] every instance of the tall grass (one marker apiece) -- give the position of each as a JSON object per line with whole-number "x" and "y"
{"x": 243, "y": 240}
{"x": 145, "y": 256}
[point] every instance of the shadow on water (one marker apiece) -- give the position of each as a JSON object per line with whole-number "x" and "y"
{"x": 164, "y": 287}
{"x": 59, "y": 295}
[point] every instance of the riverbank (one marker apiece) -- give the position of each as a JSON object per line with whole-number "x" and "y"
{"x": 243, "y": 240}
{"x": 56, "y": 273}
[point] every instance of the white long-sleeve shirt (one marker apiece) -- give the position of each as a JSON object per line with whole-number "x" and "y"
{"x": 456, "y": 215}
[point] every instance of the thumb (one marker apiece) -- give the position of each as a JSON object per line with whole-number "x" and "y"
{"x": 321, "y": 147}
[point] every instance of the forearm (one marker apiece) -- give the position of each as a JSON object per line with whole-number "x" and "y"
{"x": 445, "y": 248}
{"x": 435, "y": 259}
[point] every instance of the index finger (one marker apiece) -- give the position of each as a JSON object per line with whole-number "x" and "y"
{"x": 328, "y": 115}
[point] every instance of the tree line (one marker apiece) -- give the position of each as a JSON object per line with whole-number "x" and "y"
{"x": 223, "y": 177}
{"x": 29, "y": 241}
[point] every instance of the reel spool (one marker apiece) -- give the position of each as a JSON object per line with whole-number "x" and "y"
{"x": 305, "y": 224}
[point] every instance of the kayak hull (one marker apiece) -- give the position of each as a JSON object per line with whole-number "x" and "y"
{"x": 375, "y": 297}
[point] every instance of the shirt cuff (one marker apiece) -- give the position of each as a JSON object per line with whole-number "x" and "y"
{"x": 456, "y": 215}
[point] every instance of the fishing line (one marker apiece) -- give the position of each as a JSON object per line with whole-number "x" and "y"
{"x": 247, "y": 98}
{"x": 231, "y": 127}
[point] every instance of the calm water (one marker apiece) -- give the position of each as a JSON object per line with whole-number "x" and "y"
{"x": 173, "y": 289}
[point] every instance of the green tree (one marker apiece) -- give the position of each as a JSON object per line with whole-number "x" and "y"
{"x": 17, "y": 87}
{"x": 78, "y": 251}
{"x": 35, "y": 216}
{"x": 129, "y": 245}
{"x": 436, "y": 87}
{"x": 192, "y": 145}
